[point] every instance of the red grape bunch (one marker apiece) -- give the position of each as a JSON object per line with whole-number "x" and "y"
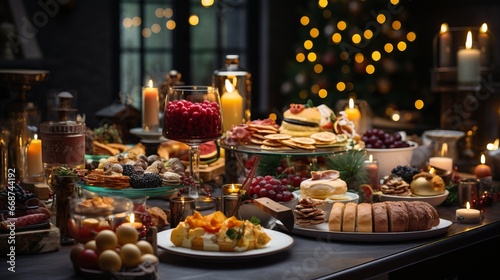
{"x": 269, "y": 186}
{"x": 378, "y": 139}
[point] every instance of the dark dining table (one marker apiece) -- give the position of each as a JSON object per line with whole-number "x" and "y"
{"x": 464, "y": 251}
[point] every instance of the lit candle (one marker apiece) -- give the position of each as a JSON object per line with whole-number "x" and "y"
{"x": 231, "y": 189}
{"x": 34, "y": 157}
{"x": 444, "y": 46}
{"x": 483, "y": 44}
{"x": 132, "y": 222}
{"x": 372, "y": 169}
{"x": 150, "y": 107}
{"x": 468, "y": 62}
{"x": 353, "y": 113}
{"x": 232, "y": 106}
{"x": 468, "y": 216}
{"x": 442, "y": 162}
{"x": 482, "y": 170}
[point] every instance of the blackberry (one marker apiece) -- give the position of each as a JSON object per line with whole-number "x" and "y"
{"x": 152, "y": 180}
{"x": 128, "y": 169}
{"x": 136, "y": 181}
{"x": 406, "y": 172}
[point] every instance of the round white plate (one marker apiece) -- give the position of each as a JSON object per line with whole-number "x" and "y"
{"x": 434, "y": 200}
{"x": 321, "y": 231}
{"x": 352, "y": 197}
{"x": 279, "y": 242}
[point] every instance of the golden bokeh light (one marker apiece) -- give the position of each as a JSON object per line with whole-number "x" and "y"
{"x": 314, "y": 32}
{"x": 127, "y": 22}
{"x": 168, "y": 13}
{"x": 273, "y": 116}
{"x": 370, "y": 69}
{"x": 156, "y": 28}
{"x": 368, "y": 34}
{"x": 194, "y": 20}
{"x": 322, "y": 3}
{"x": 381, "y": 18}
{"x": 356, "y": 38}
{"x": 322, "y": 93}
{"x": 304, "y": 20}
{"x": 311, "y": 57}
{"x": 170, "y": 24}
{"x": 388, "y": 48}
{"x": 396, "y": 117}
{"x": 207, "y": 3}
{"x": 394, "y": 2}
{"x": 159, "y": 12}
{"x": 341, "y": 25}
{"x": 303, "y": 94}
{"x": 336, "y": 38}
{"x": 300, "y": 57}
{"x": 359, "y": 57}
{"x": 146, "y": 32}
{"x": 318, "y": 68}
{"x": 396, "y": 25}
{"x": 402, "y": 46}
{"x": 344, "y": 55}
{"x": 411, "y": 36}
{"x": 308, "y": 44}
{"x": 376, "y": 56}
{"x": 136, "y": 21}
{"x": 315, "y": 88}
{"x": 340, "y": 86}
{"x": 419, "y": 104}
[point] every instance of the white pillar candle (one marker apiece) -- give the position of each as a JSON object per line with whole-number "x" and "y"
{"x": 467, "y": 215}
{"x": 444, "y": 163}
{"x": 468, "y": 63}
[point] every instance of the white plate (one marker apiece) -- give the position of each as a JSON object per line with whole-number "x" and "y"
{"x": 434, "y": 200}
{"x": 352, "y": 197}
{"x": 321, "y": 231}
{"x": 279, "y": 242}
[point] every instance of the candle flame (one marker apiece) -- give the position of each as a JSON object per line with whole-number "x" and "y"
{"x": 229, "y": 86}
{"x": 132, "y": 218}
{"x": 232, "y": 188}
{"x": 468, "y": 42}
{"x": 36, "y": 136}
{"x": 370, "y": 158}
{"x": 496, "y": 143}
{"x": 444, "y": 28}
{"x": 351, "y": 103}
{"x": 483, "y": 159}
{"x": 432, "y": 171}
{"x": 467, "y": 205}
{"x": 484, "y": 28}
{"x": 444, "y": 149}
{"x": 150, "y": 83}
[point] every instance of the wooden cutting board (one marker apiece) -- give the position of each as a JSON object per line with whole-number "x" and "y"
{"x": 32, "y": 241}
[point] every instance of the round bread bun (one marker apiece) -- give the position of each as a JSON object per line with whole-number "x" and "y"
{"x": 310, "y": 115}
{"x": 322, "y": 188}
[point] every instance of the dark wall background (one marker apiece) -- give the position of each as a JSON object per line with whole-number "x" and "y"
{"x": 80, "y": 46}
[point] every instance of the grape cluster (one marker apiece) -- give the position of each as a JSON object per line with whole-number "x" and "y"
{"x": 406, "y": 172}
{"x": 378, "y": 139}
{"x": 187, "y": 120}
{"x": 20, "y": 194}
{"x": 271, "y": 187}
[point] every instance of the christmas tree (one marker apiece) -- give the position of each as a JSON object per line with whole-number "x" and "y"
{"x": 354, "y": 48}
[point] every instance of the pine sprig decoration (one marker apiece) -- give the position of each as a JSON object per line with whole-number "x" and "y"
{"x": 268, "y": 165}
{"x": 350, "y": 165}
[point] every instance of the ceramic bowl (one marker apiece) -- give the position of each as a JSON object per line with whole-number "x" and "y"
{"x": 434, "y": 200}
{"x": 388, "y": 159}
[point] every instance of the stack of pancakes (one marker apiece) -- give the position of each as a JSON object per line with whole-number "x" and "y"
{"x": 307, "y": 214}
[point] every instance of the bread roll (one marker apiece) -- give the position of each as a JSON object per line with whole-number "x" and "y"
{"x": 398, "y": 216}
{"x": 380, "y": 219}
{"x": 349, "y": 218}
{"x": 364, "y": 218}
{"x": 336, "y": 216}
{"x": 434, "y": 221}
{"x": 412, "y": 215}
